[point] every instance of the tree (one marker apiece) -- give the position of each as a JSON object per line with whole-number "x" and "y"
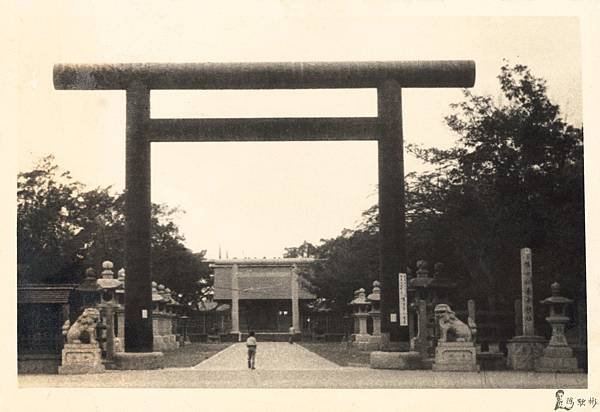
{"x": 62, "y": 228}
{"x": 306, "y": 249}
{"x": 513, "y": 179}
{"x": 343, "y": 264}
{"x": 49, "y": 220}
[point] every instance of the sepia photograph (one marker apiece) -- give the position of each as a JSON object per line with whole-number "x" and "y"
{"x": 277, "y": 196}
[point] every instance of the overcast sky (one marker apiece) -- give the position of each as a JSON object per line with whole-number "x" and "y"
{"x": 254, "y": 199}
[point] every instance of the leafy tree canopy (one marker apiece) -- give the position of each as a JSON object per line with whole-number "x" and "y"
{"x": 63, "y": 227}
{"x": 513, "y": 179}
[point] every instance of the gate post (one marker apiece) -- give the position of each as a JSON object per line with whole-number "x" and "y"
{"x": 138, "y": 294}
{"x": 392, "y": 248}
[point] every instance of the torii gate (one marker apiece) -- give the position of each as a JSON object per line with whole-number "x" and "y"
{"x": 138, "y": 79}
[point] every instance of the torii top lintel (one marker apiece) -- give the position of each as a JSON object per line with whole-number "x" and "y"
{"x": 288, "y": 75}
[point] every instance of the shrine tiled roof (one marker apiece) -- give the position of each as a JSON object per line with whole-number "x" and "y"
{"x": 259, "y": 279}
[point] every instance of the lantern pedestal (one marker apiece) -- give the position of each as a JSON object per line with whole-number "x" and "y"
{"x": 523, "y": 351}
{"x": 558, "y": 356}
{"x": 455, "y": 357}
{"x": 81, "y": 358}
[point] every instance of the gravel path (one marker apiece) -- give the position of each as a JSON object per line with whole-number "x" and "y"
{"x": 281, "y": 365}
{"x": 271, "y": 356}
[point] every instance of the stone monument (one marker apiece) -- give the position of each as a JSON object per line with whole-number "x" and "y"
{"x": 108, "y": 285}
{"x": 360, "y": 306}
{"x": 558, "y": 355}
{"x": 157, "y": 306}
{"x": 427, "y": 292}
{"x": 523, "y": 350}
{"x": 81, "y": 352}
{"x": 88, "y": 290}
{"x": 455, "y": 350}
{"x": 375, "y": 313}
{"x": 119, "y": 312}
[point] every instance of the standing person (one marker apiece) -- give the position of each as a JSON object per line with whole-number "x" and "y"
{"x": 251, "y": 345}
{"x": 292, "y": 331}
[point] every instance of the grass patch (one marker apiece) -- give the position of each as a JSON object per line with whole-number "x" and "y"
{"x": 342, "y": 354}
{"x": 192, "y": 354}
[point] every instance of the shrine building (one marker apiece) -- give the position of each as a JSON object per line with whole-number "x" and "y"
{"x": 266, "y": 295}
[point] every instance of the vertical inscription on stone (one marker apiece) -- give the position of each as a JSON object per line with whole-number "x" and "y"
{"x": 403, "y": 300}
{"x": 527, "y": 292}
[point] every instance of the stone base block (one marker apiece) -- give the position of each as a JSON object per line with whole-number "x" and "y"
{"x": 138, "y": 360}
{"x": 361, "y": 342}
{"x": 374, "y": 343}
{"x": 455, "y": 357}
{"x": 81, "y": 358}
{"x": 169, "y": 342}
{"x": 523, "y": 352}
{"x": 158, "y": 344}
{"x": 163, "y": 343}
{"x": 396, "y": 360}
{"x": 557, "y": 359}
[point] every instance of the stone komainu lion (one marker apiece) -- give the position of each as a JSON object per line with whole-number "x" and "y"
{"x": 83, "y": 330}
{"x": 451, "y": 325}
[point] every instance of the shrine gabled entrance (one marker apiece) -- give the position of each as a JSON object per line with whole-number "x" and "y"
{"x": 139, "y": 79}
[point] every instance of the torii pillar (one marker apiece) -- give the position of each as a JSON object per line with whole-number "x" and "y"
{"x": 139, "y": 79}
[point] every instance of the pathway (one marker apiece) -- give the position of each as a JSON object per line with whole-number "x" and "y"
{"x": 273, "y": 356}
{"x": 281, "y": 365}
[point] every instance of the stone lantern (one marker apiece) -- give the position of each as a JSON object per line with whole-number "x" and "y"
{"x": 169, "y": 298}
{"x": 162, "y": 305}
{"x": 375, "y": 300}
{"x": 120, "y": 312}
{"x": 360, "y": 306}
{"x": 175, "y": 310}
{"x": 557, "y": 356}
{"x": 157, "y": 306}
{"x": 120, "y": 292}
{"x": 168, "y": 318}
{"x": 108, "y": 285}
{"x": 88, "y": 290}
{"x": 183, "y": 319}
{"x": 427, "y": 292}
{"x": 157, "y": 299}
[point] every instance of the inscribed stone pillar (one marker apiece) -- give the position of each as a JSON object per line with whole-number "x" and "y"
{"x": 295, "y": 297}
{"x": 527, "y": 292}
{"x": 524, "y": 350}
{"x": 235, "y": 297}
